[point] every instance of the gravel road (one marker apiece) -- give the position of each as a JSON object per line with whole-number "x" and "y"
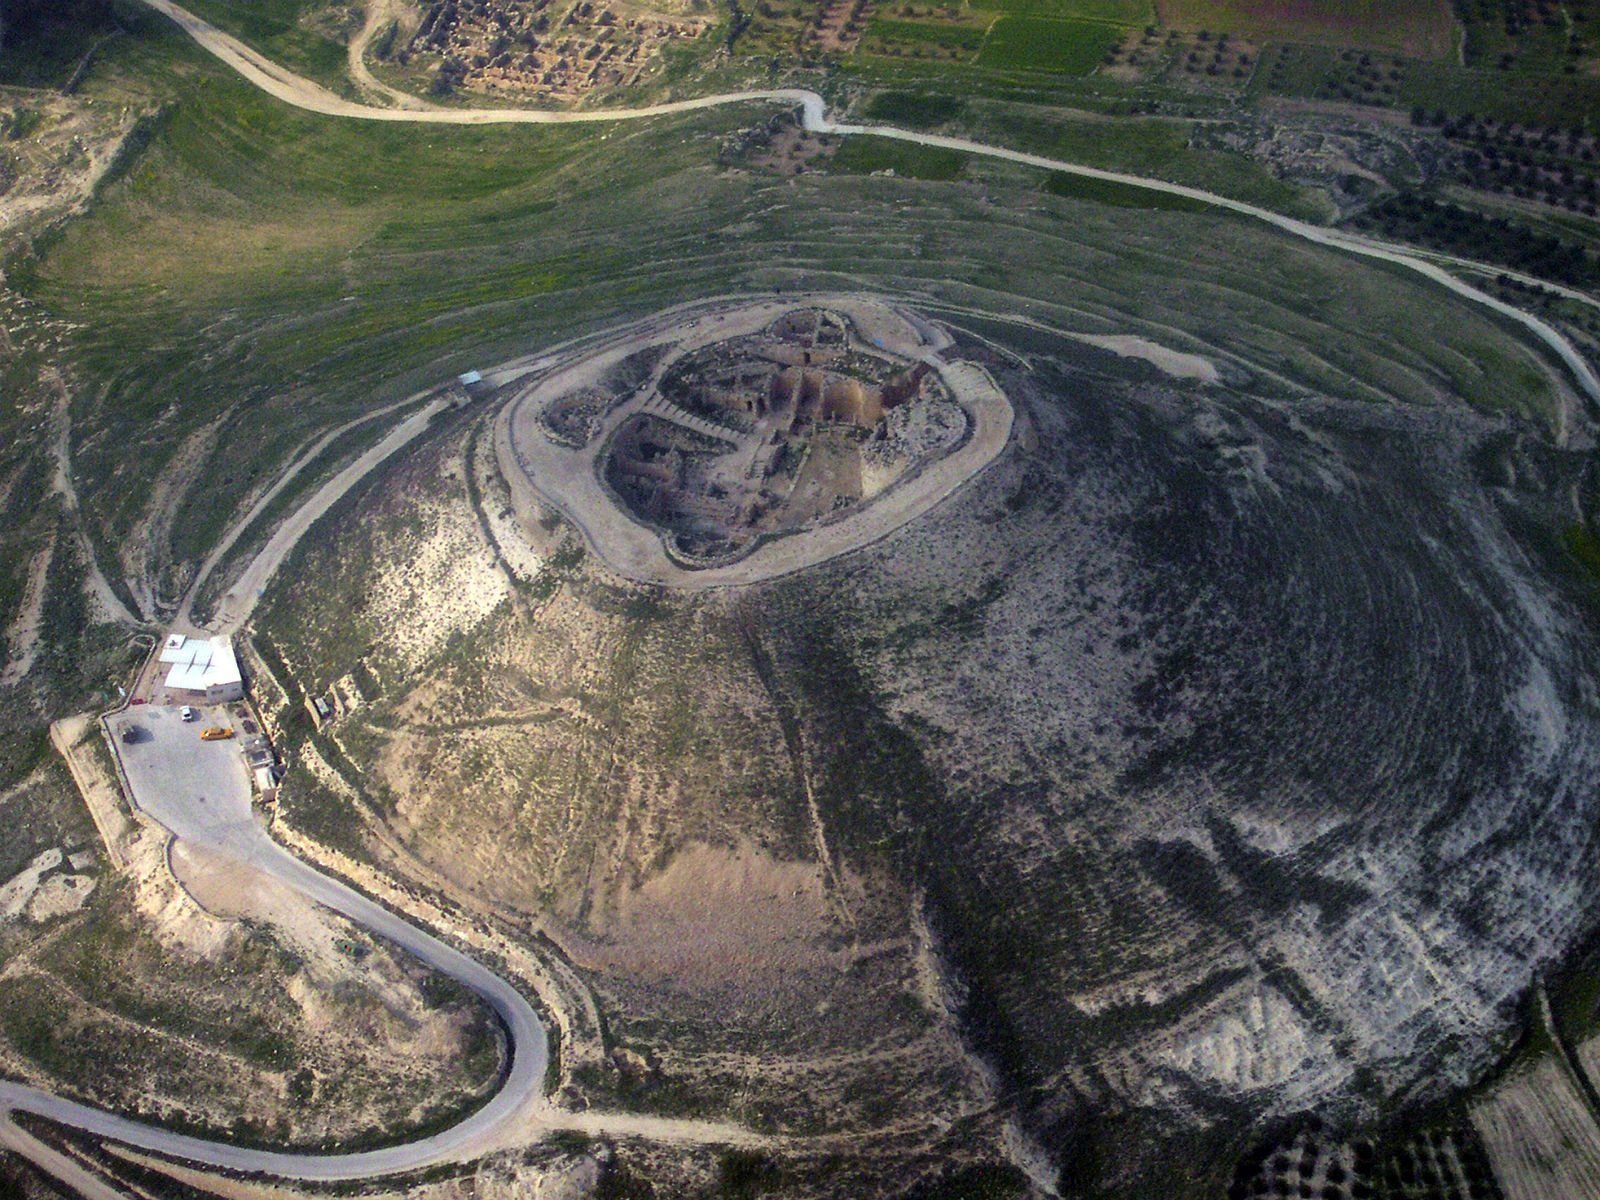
{"x": 292, "y": 89}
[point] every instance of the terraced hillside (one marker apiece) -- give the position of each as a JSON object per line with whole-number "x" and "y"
{"x": 1206, "y": 784}
{"x": 1223, "y": 755}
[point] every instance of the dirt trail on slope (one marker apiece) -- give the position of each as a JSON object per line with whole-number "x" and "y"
{"x": 22, "y": 637}
{"x": 61, "y": 482}
{"x": 185, "y": 616}
{"x": 379, "y": 13}
{"x": 302, "y": 93}
{"x": 240, "y": 600}
{"x": 74, "y": 1174}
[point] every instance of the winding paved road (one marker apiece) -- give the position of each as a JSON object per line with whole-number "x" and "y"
{"x": 213, "y": 810}
{"x": 225, "y": 827}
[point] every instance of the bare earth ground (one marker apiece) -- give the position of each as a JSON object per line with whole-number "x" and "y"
{"x": 53, "y": 170}
{"x": 1173, "y": 362}
{"x": 1541, "y": 1134}
{"x": 74, "y": 739}
{"x": 739, "y": 974}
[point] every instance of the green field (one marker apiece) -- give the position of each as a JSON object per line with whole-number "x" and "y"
{"x": 1103, "y": 191}
{"x": 1046, "y": 44}
{"x": 915, "y": 110}
{"x": 865, "y": 155}
{"x": 1417, "y": 28}
{"x": 922, "y": 39}
{"x": 1154, "y": 147}
{"x": 1119, "y": 12}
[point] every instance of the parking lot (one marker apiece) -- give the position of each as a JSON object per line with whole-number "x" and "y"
{"x": 199, "y": 790}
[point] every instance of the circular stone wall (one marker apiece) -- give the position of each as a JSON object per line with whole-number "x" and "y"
{"x": 753, "y": 440}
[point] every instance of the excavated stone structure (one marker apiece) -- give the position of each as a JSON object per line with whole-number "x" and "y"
{"x": 763, "y": 435}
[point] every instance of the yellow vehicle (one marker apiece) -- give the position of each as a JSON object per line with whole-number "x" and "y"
{"x": 215, "y": 734}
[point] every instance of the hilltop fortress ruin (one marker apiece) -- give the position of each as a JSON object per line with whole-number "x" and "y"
{"x": 757, "y": 438}
{"x": 774, "y": 433}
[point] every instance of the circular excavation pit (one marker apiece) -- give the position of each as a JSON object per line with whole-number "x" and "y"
{"x": 754, "y": 440}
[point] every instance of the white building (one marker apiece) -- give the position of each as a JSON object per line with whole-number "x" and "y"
{"x": 205, "y": 667}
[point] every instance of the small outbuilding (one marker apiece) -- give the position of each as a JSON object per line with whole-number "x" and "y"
{"x": 203, "y": 670}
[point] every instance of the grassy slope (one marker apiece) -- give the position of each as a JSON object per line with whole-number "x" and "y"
{"x": 1422, "y": 28}
{"x": 276, "y": 272}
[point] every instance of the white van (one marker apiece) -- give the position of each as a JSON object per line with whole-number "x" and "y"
{"x": 186, "y": 713}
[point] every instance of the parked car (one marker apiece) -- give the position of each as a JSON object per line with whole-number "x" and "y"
{"x": 186, "y": 713}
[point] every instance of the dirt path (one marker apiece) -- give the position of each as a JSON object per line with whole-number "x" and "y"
{"x": 74, "y": 1174}
{"x": 22, "y": 638}
{"x": 240, "y": 600}
{"x": 1332, "y": 238}
{"x": 185, "y": 617}
{"x": 379, "y": 13}
{"x": 302, "y": 93}
{"x": 294, "y": 90}
{"x": 61, "y": 483}
{"x": 102, "y": 796}
{"x": 306, "y": 95}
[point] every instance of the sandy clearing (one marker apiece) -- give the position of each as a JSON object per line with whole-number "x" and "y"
{"x": 1334, "y": 239}
{"x": 229, "y": 889}
{"x": 570, "y": 480}
{"x": 20, "y": 889}
{"x": 58, "y": 896}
